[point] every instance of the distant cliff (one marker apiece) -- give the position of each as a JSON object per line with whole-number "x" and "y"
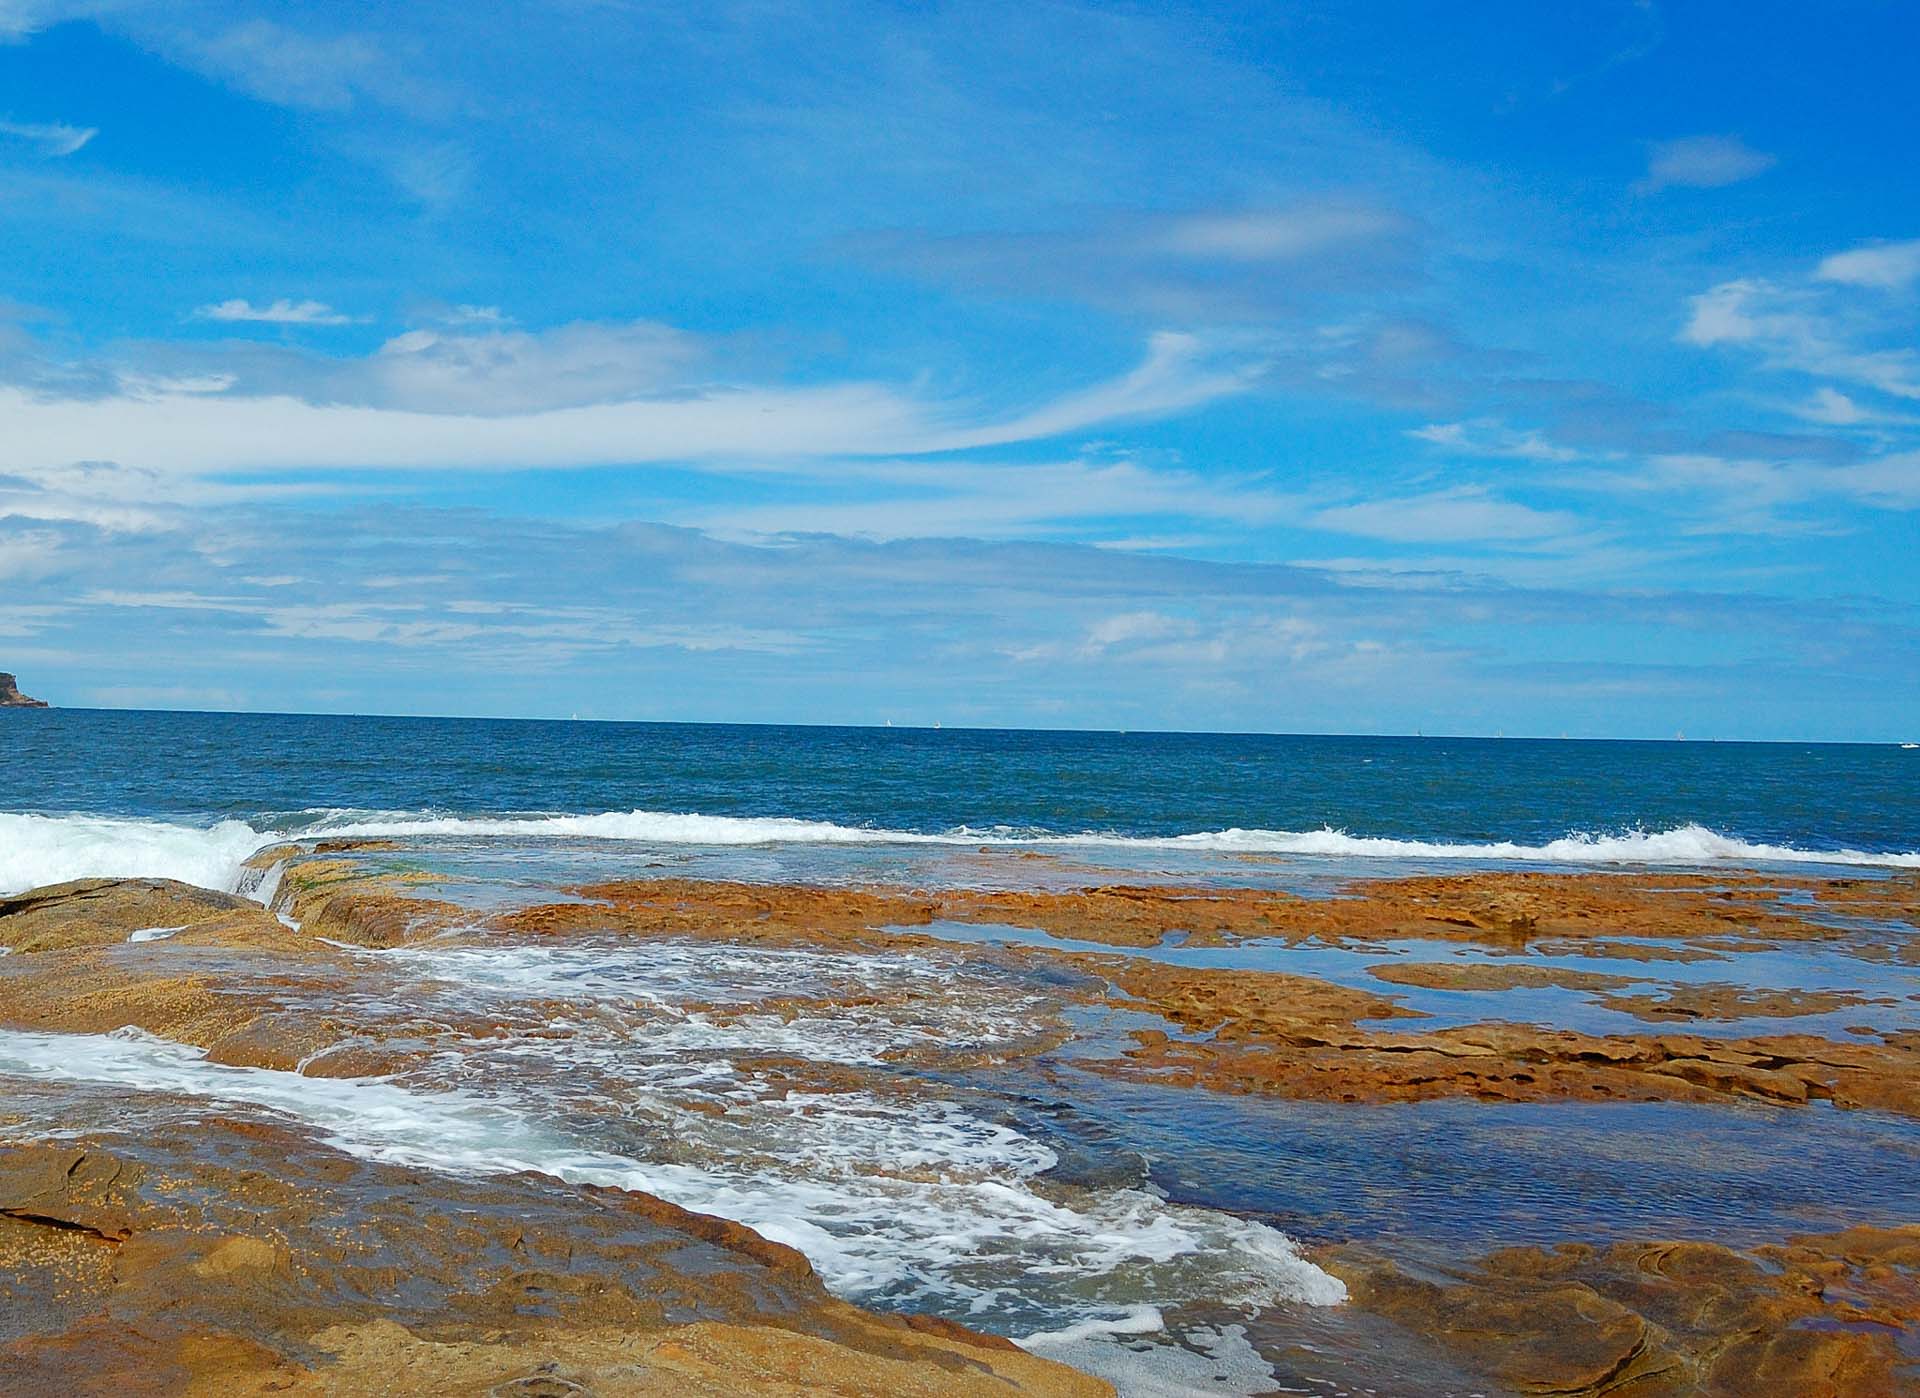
{"x": 12, "y": 698}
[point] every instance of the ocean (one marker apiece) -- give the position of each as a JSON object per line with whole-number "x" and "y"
{"x": 190, "y": 794}
{"x": 929, "y": 1123}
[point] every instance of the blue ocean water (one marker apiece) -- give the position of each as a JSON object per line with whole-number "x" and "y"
{"x": 500, "y": 813}
{"x": 264, "y": 768}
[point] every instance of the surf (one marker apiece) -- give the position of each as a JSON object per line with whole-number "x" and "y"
{"x": 36, "y": 850}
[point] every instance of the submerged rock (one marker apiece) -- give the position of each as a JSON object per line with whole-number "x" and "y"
{"x": 1815, "y": 1317}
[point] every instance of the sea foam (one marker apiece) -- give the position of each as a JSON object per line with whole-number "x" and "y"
{"x": 1685, "y": 844}
{"x": 38, "y": 849}
{"x": 958, "y": 1217}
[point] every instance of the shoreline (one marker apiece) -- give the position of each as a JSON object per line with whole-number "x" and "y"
{"x": 308, "y": 995}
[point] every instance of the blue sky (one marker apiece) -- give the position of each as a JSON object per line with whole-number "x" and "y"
{"x": 1483, "y": 368}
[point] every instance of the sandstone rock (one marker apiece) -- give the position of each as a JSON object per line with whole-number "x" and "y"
{"x": 1504, "y": 912}
{"x": 1819, "y": 1317}
{"x": 220, "y": 1264}
{"x": 1492, "y": 976}
{"x": 12, "y": 698}
{"x": 1294, "y": 1036}
{"x": 104, "y": 912}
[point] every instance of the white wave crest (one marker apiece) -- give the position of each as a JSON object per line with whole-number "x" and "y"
{"x": 640, "y": 827}
{"x": 37, "y": 849}
{"x": 1684, "y": 844}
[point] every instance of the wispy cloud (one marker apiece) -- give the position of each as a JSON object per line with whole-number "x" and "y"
{"x": 497, "y": 372}
{"x": 1180, "y": 371}
{"x": 1792, "y": 331}
{"x": 630, "y": 619}
{"x": 474, "y": 315}
{"x": 1488, "y": 437}
{"x": 1457, "y": 514}
{"x": 293, "y": 67}
{"x": 424, "y": 402}
{"x": 52, "y": 138}
{"x": 1701, "y": 162}
{"x": 281, "y": 312}
{"x": 1888, "y": 266}
{"x": 1204, "y": 266}
{"x": 944, "y": 499}
{"x": 1274, "y": 235}
{"x": 1832, "y": 408}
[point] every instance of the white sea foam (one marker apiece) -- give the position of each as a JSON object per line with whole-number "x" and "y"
{"x": 871, "y": 1008}
{"x": 1685, "y": 844}
{"x": 1206, "y": 1364}
{"x": 36, "y": 850}
{"x": 639, "y": 827}
{"x": 921, "y": 1205}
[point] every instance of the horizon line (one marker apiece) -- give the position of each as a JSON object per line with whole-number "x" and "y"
{"x": 1680, "y": 739}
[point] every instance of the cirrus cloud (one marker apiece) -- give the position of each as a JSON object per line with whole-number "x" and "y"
{"x": 1701, "y": 162}
{"x": 50, "y": 138}
{"x": 280, "y": 312}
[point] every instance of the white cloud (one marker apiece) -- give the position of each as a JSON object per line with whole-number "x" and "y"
{"x": 1891, "y": 481}
{"x": 1701, "y": 162}
{"x": 1236, "y": 266}
{"x": 431, "y": 172}
{"x": 27, "y": 554}
{"x": 1131, "y": 628}
{"x": 1889, "y": 266}
{"x": 127, "y": 500}
{"x": 509, "y": 371}
{"x": 476, "y": 315}
{"x": 281, "y": 312}
{"x": 1792, "y": 331}
{"x": 1749, "y": 490}
{"x": 1488, "y": 437}
{"x": 907, "y": 499}
{"x": 1277, "y": 235}
{"x": 441, "y": 427}
{"x": 1177, "y": 374}
{"x": 52, "y": 138}
{"x": 284, "y": 66}
{"x": 1458, "y": 514}
{"x": 1215, "y": 646}
{"x": 1831, "y": 408}
{"x": 145, "y": 385}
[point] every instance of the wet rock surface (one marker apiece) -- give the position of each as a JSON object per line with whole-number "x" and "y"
{"x": 1504, "y": 911}
{"x": 1289, "y": 1038}
{"x": 1629, "y": 994}
{"x": 1817, "y": 1315}
{"x": 219, "y": 1251}
{"x": 92, "y": 913}
{"x": 244, "y": 1258}
{"x": 1302, "y": 1036}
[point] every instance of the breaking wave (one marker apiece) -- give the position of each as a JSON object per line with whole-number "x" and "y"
{"x": 37, "y": 849}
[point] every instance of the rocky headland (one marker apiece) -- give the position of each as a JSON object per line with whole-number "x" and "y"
{"x": 12, "y": 698}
